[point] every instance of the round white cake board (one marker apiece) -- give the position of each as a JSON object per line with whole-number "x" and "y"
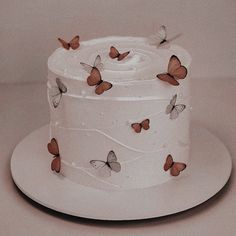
{"x": 208, "y": 172}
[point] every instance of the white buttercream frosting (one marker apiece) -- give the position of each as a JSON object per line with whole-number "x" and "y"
{"x": 87, "y": 126}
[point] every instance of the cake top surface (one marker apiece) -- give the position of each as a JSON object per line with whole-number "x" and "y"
{"x": 143, "y": 63}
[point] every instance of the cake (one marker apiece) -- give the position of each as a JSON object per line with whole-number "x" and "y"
{"x": 119, "y": 112}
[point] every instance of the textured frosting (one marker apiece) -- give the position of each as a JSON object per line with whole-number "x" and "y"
{"x": 87, "y": 126}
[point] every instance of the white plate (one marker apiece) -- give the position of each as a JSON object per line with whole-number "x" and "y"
{"x": 208, "y": 172}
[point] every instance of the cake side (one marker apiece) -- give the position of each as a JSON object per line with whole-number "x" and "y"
{"x": 88, "y": 126}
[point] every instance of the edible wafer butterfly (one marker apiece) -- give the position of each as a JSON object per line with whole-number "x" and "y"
{"x": 173, "y": 109}
{"x": 114, "y": 53}
{"x": 174, "y": 167}
{"x": 174, "y": 72}
{"x": 73, "y": 44}
{"x": 139, "y": 126}
{"x": 95, "y": 78}
{"x": 160, "y": 37}
{"x": 55, "y": 93}
{"x": 104, "y": 168}
{"x": 54, "y": 150}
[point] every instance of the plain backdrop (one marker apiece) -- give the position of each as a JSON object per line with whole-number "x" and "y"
{"x": 29, "y": 31}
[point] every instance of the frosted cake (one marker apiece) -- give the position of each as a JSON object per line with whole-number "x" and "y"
{"x": 119, "y": 112}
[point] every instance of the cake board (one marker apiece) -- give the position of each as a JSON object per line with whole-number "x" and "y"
{"x": 208, "y": 172}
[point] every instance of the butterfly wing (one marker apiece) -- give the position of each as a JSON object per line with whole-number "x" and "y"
{"x": 86, "y": 67}
{"x": 145, "y": 124}
{"x": 159, "y": 37}
{"x": 64, "y": 44}
{"x": 177, "y": 109}
{"x": 61, "y": 86}
{"x": 180, "y": 107}
{"x": 94, "y": 78}
{"x": 97, "y": 164}
{"x": 53, "y": 147}
{"x": 112, "y": 162}
{"x": 173, "y": 100}
{"x": 170, "y": 107}
{"x": 102, "y": 87}
{"x": 177, "y": 168}
{"x": 97, "y": 61}
{"x": 175, "y": 68}
{"x": 174, "y": 63}
{"x": 180, "y": 73}
{"x": 168, "y": 78}
{"x": 169, "y": 162}
{"x": 123, "y": 55}
{"x": 111, "y": 157}
{"x": 137, "y": 127}
{"x": 114, "y": 53}
{"x": 56, "y": 164}
{"x": 162, "y": 33}
{"x": 55, "y": 96}
{"x": 74, "y": 43}
{"x": 103, "y": 169}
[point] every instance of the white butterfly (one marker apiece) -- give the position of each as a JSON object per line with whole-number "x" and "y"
{"x": 174, "y": 110}
{"x": 160, "y": 37}
{"x": 105, "y": 167}
{"x": 55, "y": 93}
{"x": 97, "y": 64}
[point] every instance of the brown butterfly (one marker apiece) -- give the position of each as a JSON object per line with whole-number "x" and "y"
{"x": 74, "y": 43}
{"x": 95, "y": 78}
{"x": 175, "y": 71}
{"x": 138, "y": 126}
{"x": 54, "y": 150}
{"x": 114, "y": 53}
{"x": 175, "y": 167}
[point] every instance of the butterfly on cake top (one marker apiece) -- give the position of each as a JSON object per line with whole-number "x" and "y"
{"x": 95, "y": 78}
{"x": 174, "y": 73}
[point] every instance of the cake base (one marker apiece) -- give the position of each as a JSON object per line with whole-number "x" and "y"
{"x": 208, "y": 172}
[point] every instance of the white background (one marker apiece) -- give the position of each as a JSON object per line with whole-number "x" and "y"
{"x": 29, "y": 31}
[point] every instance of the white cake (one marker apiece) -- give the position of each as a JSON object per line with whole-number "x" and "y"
{"x": 88, "y": 126}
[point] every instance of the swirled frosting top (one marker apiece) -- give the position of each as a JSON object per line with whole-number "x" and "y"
{"x": 141, "y": 66}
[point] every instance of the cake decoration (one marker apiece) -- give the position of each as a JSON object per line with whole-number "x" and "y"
{"x": 114, "y": 53}
{"x": 73, "y": 44}
{"x": 160, "y": 37}
{"x": 105, "y": 167}
{"x": 138, "y": 126}
{"x": 95, "y": 78}
{"x": 54, "y": 150}
{"x": 175, "y": 71}
{"x": 56, "y": 92}
{"x": 174, "y": 167}
{"x": 130, "y": 127}
{"x": 173, "y": 109}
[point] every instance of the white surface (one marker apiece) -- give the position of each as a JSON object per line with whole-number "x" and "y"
{"x": 23, "y": 108}
{"x": 87, "y": 126}
{"x": 29, "y": 30}
{"x": 206, "y": 175}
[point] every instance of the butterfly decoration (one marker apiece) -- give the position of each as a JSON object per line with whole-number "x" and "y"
{"x": 114, "y": 53}
{"x": 160, "y": 37}
{"x": 139, "y": 126}
{"x": 105, "y": 167}
{"x": 95, "y": 78}
{"x": 73, "y": 44}
{"x": 173, "y": 109}
{"x": 174, "y": 167}
{"x": 55, "y": 93}
{"x": 175, "y": 72}
{"x": 54, "y": 150}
